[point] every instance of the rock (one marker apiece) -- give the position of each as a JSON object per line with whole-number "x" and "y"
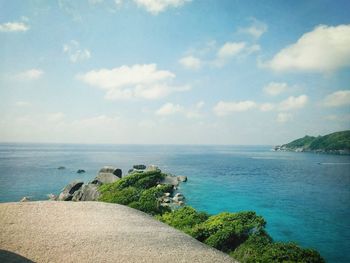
{"x": 52, "y": 197}
{"x": 139, "y": 166}
{"x": 178, "y": 197}
{"x": 61, "y": 168}
{"x": 25, "y": 199}
{"x": 81, "y": 171}
{"x": 166, "y": 200}
{"x": 88, "y": 192}
{"x": 111, "y": 170}
{"x": 170, "y": 179}
{"x": 105, "y": 178}
{"x": 182, "y": 178}
{"x": 152, "y": 168}
{"x": 167, "y": 194}
{"x": 181, "y": 203}
{"x": 69, "y": 190}
{"x": 130, "y": 171}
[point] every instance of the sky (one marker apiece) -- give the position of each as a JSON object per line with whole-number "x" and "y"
{"x": 173, "y": 71}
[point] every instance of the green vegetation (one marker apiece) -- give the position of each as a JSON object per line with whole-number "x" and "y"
{"x": 139, "y": 191}
{"x": 184, "y": 219}
{"x": 241, "y": 234}
{"x": 338, "y": 141}
{"x": 259, "y": 247}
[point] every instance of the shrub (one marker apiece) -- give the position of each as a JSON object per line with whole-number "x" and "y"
{"x": 149, "y": 201}
{"x": 226, "y": 231}
{"x": 124, "y": 196}
{"x": 184, "y": 218}
{"x": 260, "y": 248}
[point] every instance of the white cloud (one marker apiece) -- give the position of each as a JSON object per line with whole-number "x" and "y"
{"x": 75, "y": 53}
{"x": 338, "y": 98}
{"x": 275, "y": 88}
{"x": 292, "y": 103}
{"x": 256, "y": 29}
{"x": 169, "y": 109}
{"x": 223, "y": 108}
{"x": 192, "y": 112}
{"x": 157, "y": 6}
{"x": 22, "y": 103}
{"x": 31, "y": 74}
{"x": 230, "y": 49}
{"x": 14, "y": 27}
{"x": 138, "y": 81}
{"x": 267, "y": 107}
{"x": 325, "y": 49}
{"x": 190, "y": 62}
{"x": 284, "y": 117}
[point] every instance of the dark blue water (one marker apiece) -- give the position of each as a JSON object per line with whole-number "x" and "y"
{"x": 304, "y": 197}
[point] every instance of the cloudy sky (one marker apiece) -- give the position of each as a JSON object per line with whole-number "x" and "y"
{"x": 173, "y": 71}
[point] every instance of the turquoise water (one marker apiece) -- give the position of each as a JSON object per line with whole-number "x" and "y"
{"x": 304, "y": 197}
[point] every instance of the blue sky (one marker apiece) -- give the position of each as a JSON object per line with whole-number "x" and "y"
{"x": 173, "y": 71}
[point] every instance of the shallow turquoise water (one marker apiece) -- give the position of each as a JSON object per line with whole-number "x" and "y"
{"x": 304, "y": 197}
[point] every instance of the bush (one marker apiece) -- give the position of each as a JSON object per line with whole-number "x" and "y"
{"x": 138, "y": 190}
{"x": 260, "y": 248}
{"x": 184, "y": 218}
{"x": 149, "y": 201}
{"x": 123, "y": 197}
{"x": 226, "y": 231}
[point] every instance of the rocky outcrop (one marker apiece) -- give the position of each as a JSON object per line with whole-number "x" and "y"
{"x": 110, "y": 170}
{"x": 88, "y": 192}
{"x": 78, "y": 191}
{"x": 69, "y": 190}
{"x": 105, "y": 178}
{"x": 139, "y": 166}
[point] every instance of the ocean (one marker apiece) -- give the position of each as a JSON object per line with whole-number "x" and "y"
{"x": 304, "y": 197}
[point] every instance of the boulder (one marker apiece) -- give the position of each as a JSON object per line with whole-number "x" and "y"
{"x": 182, "y": 178}
{"x": 152, "y": 168}
{"x": 170, "y": 179}
{"x": 178, "y": 197}
{"x": 81, "y": 171}
{"x": 111, "y": 170}
{"x": 69, "y": 190}
{"x": 105, "y": 178}
{"x": 139, "y": 166}
{"x": 88, "y": 192}
{"x": 61, "y": 168}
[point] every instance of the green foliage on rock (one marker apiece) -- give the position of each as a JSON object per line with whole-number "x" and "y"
{"x": 226, "y": 231}
{"x": 184, "y": 218}
{"x": 137, "y": 190}
{"x": 149, "y": 200}
{"x": 259, "y": 248}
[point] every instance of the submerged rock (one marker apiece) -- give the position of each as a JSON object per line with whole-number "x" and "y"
{"x": 61, "y": 168}
{"x": 69, "y": 190}
{"x": 81, "y": 171}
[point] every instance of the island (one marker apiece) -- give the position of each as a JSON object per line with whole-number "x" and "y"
{"x": 333, "y": 143}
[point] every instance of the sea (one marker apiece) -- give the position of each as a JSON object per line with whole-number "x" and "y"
{"x": 304, "y": 197}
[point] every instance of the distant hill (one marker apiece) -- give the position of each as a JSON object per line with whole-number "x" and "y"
{"x": 336, "y": 143}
